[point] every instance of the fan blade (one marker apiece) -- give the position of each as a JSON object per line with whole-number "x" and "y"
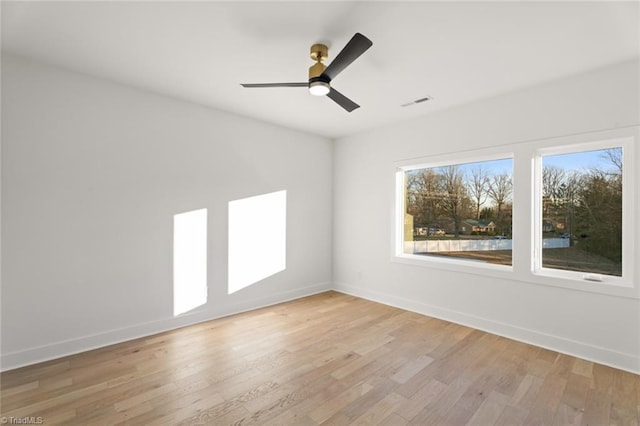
{"x": 356, "y": 47}
{"x": 342, "y": 100}
{"x": 254, "y": 85}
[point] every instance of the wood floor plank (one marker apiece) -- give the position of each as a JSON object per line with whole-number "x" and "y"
{"x": 575, "y": 393}
{"x": 379, "y": 411}
{"x": 582, "y": 367}
{"x": 324, "y": 411}
{"x": 363, "y": 404}
{"x": 329, "y": 359}
{"x": 411, "y": 367}
{"x": 567, "y": 415}
{"x": 490, "y": 409}
{"x": 412, "y": 406}
{"x": 547, "y": 400}
{"x": 359, "y": 362}
{"x": 527, "y": 392}
{"x": 393, "y": 419}
{"x": 512, "y": 416}
{"x": 435, "y": 411}
{"x": 598, "y": 406}
{"x": 623, "y": 399}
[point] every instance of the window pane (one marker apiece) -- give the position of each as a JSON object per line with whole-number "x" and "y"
{"x": 460, "y": 210}
{"x": 582, "y": 211}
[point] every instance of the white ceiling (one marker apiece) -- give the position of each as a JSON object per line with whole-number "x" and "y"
{"x": 200, "y": 51}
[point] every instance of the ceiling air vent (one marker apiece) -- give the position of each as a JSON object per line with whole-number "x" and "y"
{"x": 417, "y": 101}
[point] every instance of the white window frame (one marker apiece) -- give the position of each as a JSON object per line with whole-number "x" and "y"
{"x": 441, "y": 262}
{"x": 527, "y": 212}
{"x": 626, "y": 143}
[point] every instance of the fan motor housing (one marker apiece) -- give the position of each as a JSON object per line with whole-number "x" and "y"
{"x": 319, "y": 52}
{"x": 316, "y": 70}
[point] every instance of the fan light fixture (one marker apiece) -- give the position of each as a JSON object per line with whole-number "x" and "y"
{"x": 319, "y": 88}
{"x": 321, "y": 75}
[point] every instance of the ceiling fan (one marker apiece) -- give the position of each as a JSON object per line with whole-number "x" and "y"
{"x": 321, "y": 75}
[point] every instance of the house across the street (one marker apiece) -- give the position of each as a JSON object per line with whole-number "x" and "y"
{"x": 480, "y": 226}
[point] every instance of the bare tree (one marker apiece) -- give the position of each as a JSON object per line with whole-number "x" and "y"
{"x": 478, "y": 187}
{"x": 598, "y": 215}
{"x": 568, "y": 189}
{"x": 456, "y": 198}
{"x": 552, "y": 178}
{"x": 500, "y": 189}
{"x": 423, "y": 197}
{"x": 567, "y": 197}
{"x": 614, "y": 155}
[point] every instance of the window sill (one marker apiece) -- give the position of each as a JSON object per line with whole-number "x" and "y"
{"x": 456, "y": 265}
{"x": 610, "y": 286}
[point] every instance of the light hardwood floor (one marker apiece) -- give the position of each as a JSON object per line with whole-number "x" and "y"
{"x": 327, "y": 359}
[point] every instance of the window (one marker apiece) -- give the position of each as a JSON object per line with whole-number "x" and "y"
{"x": 580, "y": 211}
{"x": 459, "y": 210}
{"x": 558, "y": 211}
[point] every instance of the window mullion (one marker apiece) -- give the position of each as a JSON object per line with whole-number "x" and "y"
{"x": 523, "y": 212}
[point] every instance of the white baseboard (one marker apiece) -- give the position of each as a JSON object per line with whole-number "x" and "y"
{"x": 623, "y": 361}
{"x": 10, "y": 361}
{"x": 615, "y": 359}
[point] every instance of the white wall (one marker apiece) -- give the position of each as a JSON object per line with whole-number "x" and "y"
{"x": 92, "y": 174}
{"x": 594, "y": 326}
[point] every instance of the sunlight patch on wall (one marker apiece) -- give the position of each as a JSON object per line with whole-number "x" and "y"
{"x": 189, "y": 260}
{"x": 257, "y": 239}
